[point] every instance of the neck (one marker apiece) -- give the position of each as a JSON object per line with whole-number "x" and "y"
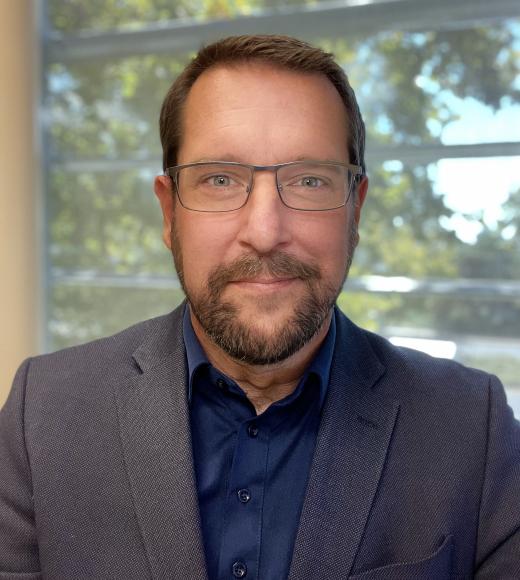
{"x": 263, "y": 384}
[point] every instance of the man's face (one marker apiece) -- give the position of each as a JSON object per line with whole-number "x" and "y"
{"x": 261, "y": 280}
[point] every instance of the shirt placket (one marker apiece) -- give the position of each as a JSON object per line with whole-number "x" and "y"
{"x": 242, "y": 529}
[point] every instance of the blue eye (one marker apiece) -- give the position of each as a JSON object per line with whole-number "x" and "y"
{"x": 220, "y": 180}
{"x": 311, "y": 181}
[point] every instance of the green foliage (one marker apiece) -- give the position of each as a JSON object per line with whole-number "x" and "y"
{"x": 72, "y": 15}
{"x": 368, "y": 310}
{"x": 106, "y": 223}
{"x": 83, "y": 313}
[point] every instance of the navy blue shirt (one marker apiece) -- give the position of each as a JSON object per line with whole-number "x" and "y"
{"x": 251, "y": 470}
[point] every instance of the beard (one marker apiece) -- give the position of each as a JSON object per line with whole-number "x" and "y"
{"x": 240, "y": 339}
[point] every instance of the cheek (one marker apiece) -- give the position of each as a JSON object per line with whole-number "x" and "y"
{"x": 327, "y": 240}
{"x": 205, "y": 244}
{"x": 335, "y": 261}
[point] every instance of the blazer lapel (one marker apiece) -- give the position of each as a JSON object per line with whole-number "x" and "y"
{"x": 351, "y": 448}
{"x": 155, "y": 434}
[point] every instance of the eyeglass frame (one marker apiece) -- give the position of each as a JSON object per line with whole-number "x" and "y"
{"x": 356, "y": 170}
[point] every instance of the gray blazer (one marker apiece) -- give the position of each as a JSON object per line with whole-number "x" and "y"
{"x": 416, "y": 472}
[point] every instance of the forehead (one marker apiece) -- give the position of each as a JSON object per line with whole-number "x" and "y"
{"x": 258, "y": 105}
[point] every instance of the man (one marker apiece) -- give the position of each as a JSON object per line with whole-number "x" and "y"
{"x": 255, "y": 432}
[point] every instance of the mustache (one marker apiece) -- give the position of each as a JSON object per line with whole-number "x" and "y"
{"x": 278, "y": 265}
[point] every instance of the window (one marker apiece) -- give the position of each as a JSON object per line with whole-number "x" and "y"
{"x": 438, "y": 267}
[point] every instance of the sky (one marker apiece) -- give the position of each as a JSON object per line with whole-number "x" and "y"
{"x": 480, "y": 185}
{"x": 473, "y": 186}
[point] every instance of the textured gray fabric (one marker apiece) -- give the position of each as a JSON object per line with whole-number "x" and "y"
{"x": 416, "y": 472}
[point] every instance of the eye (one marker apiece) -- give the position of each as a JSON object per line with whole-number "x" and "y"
{"x": 220, "y": 180}
{"x": 311, "y": 181}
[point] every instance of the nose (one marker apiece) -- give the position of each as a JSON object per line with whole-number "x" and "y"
{"x": 265, "y": 220}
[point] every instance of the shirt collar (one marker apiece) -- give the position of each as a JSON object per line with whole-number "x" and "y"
{"x": 194, "y": 353}
{"x": 320, "y": 365}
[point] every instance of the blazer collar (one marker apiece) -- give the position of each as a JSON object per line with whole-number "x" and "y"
{"x": 156, "y": 441}
{"x": 351, "y": 447}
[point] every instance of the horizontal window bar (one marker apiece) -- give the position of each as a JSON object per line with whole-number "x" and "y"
{"x": 338, "y": 19}
{"x": 423, "y": 154}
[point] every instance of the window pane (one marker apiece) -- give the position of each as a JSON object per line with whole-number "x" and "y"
{"x": 105, "y": 223}
{"x": 73, "y": 15}
{"x": 82, "y": 312}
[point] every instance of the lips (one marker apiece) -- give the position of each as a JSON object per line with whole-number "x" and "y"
{"x": 261, "y": 272}
{"x": 263, "y": 280}
{"x": 261, "y": 285}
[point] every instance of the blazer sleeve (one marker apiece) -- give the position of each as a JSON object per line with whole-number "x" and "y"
{"x": 498, "y": 545}
{"x": 18, "y": 543}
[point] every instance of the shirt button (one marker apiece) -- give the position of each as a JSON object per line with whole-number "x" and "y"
{"x": 252, "y": 430}
{"x": 244, "y": 495}
{"x": 221, "y": 384}
{"x": 239, "y": 569}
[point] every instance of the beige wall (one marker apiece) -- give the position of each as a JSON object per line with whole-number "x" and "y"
{"x": 19, "y": 237}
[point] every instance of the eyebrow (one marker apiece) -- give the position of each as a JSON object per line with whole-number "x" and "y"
{"x": 223, "y": 157}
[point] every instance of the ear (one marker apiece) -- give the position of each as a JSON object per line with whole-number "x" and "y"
{"x": 163, "y": 190}
{"x": 362, "y": 190}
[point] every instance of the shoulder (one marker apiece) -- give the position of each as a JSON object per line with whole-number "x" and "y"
{"x": 87, "y": 369}
{"x": 419, "y": 380}
{"x": 115, "y": 350}
{"x": 437, "y": 394}
{"x": 414, "y": 365}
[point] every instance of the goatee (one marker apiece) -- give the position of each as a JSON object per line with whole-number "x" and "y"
{"x": 242, "y": 339}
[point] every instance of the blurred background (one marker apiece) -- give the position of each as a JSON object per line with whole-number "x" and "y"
{"x": 438, "y": 267}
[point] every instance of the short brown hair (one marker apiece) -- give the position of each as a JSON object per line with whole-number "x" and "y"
{"x": 282, "y": 51}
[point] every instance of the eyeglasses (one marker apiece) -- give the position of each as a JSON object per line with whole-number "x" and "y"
{"x": 217, "y": 186}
